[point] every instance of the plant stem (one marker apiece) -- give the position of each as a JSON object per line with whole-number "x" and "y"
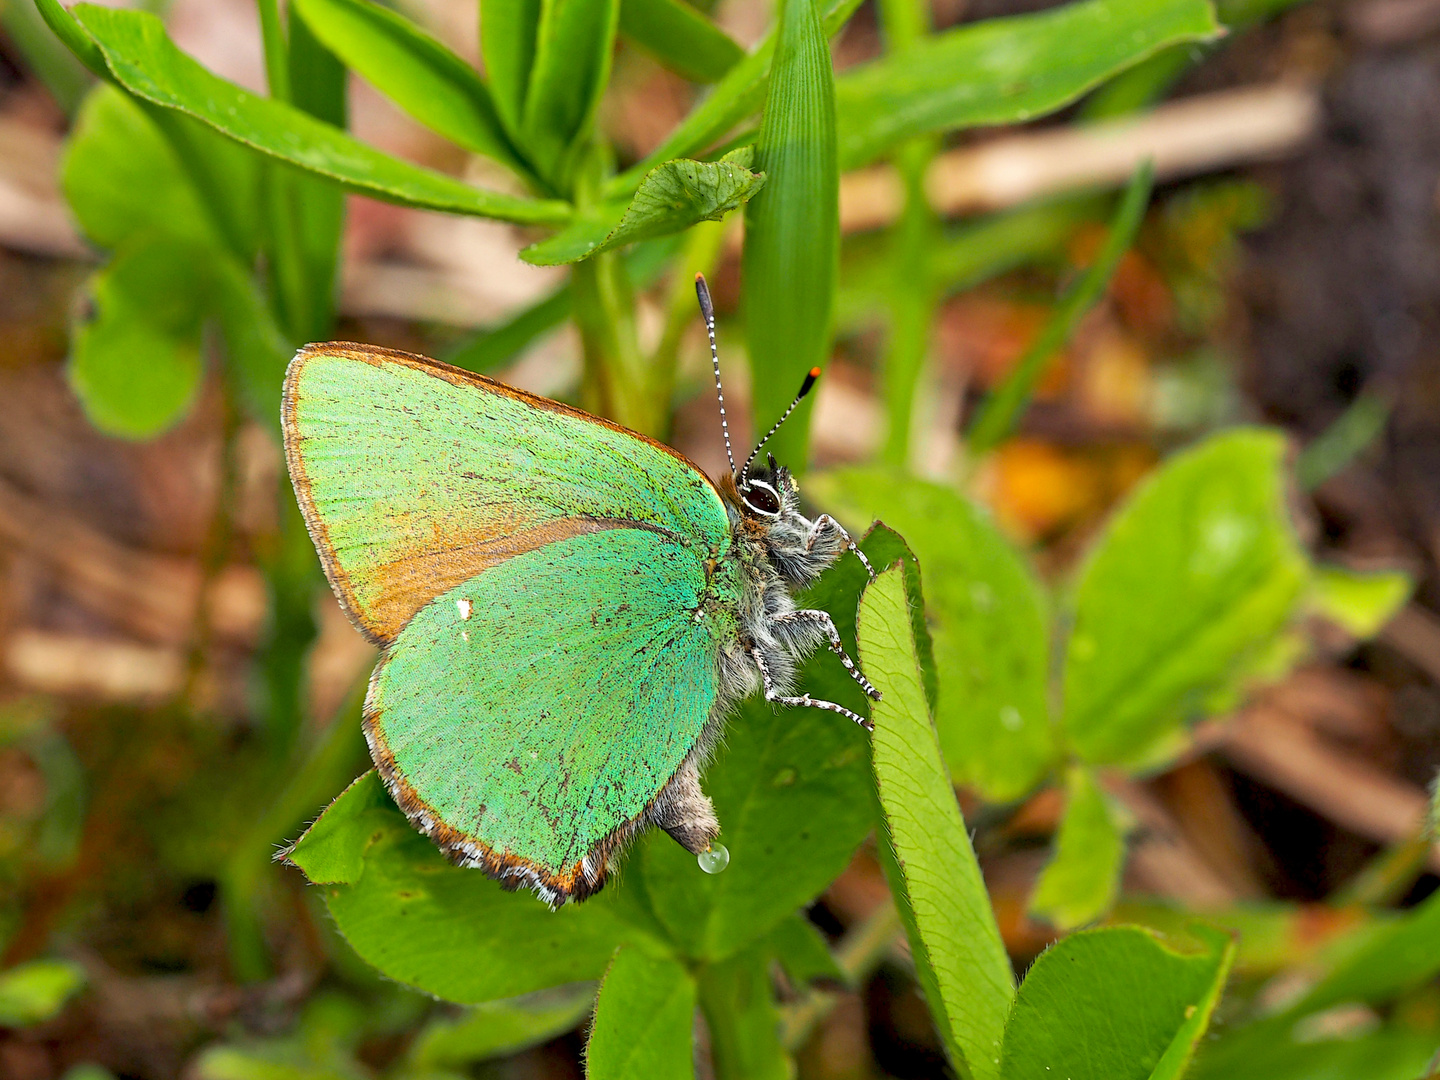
{"x": 614, "y": 382}
{"x": 858, "y": 954}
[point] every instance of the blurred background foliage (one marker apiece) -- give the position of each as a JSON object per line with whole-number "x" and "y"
{"x": 1038, "y": 249}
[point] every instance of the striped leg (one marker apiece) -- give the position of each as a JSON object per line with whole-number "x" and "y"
{"x": 827, "y": 624}
{"x": 772, "y": 694}
{"x": 825, "y": 521}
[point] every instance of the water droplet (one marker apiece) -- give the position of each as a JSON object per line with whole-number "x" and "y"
{"x": 714, "y": 860}
{"x": 1010, "y": 718}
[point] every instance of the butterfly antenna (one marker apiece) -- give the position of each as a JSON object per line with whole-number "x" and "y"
{"x": 707, "y": 309}
{"x": 805, "y": 387}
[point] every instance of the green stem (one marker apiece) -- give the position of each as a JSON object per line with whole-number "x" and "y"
{"x": 703, "y": 244}
{"x": 858, "y": 954}
{"x": 614, "y": 382}
{"x": 277, "y": 64}
{"x": 1004, "y": 408}
{"x": 330, "y": 762}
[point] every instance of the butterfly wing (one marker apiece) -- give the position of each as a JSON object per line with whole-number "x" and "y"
{"x": 414, "y": 476}
{"x": 527, "y": 719}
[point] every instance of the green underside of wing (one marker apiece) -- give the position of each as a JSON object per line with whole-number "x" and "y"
{"x": 561, "y": 706}
{"x": 403, "y": 465}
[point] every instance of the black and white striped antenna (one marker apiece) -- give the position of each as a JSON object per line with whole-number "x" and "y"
{"x": 707, "y": 309}
{"x": 810, "y": 377}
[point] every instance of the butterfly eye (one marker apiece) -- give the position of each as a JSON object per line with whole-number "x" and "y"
{"x": 762, "y": 499}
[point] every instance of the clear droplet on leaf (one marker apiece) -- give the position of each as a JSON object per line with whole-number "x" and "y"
{"x": 714, "y": 860}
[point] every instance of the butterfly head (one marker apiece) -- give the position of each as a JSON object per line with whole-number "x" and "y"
{"x": 769, "y": 492}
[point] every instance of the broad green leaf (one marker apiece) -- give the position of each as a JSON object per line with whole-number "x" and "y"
{"x": 644, "y": 1020}
{"x": 146, "y": 62}
{"x": 1002, "y": 410}
{"x": 135, "y": 361}
{"x": 1195, "y": 574}
{"x": 737, "y": 96}
{"x": 738, "y": 1002}
{"x": 672, "y": 197}
{"x": 792, "y": 229}
{"x": 1002, "y": 71}
{"x": 1109, "y": 1004}
{"x": 1361, "y": 603}
{"x": 415, "y": 71}
{"x": 1082, "y": 878}
{"x": 33, "y": 992}
{"x": 986, "y": 614}
{"x": 574, "y": 47}
{"x": 960, "y": 958}
{"x": 497, "y": 1028}
{"x": 64, "y": 26}
{"x": 1175, "y": 1062}
{"x": 803, "y": 951}
{"x": 789, "y": 789}
{"x": 451, "y": 932}
{"x": 680, "y": 37}
{"x": 508, "y": 29}
{"x": 121, "y": 176}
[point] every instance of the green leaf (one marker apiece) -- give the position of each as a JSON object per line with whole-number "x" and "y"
{"x": 573, "y": 50}
{"x": 508, "y": 29}
{"x": 680, "y": 37}
{"x": 121, "y": 176}
{"x": 451, "y": 932}
{"x": 1082, "y": 878}
{"x": 147, "y": 63}
{"x": 790, "y": 792}
{"x": 1197, "y": 572}
{"x": 737, "y": 1000}
{"x": 792, "y": 229}
{"x": 803, "y": 951}
{"x": 1392, "y": 959}
{"x": 34, "y": 992}
{"x": 64, "y": 26}
{"x": 415, "y": 71}
{"x": 737, "y": 96}
{"x": 1002, "y": 71}
{"x": 672, "y": 197}
{"x": 135, "y": 363}
{"x": 1263, "y": 1052}
{"x": 1360, "y": 603}
{"x": 644, "y": 1020}
{"x": 499, "y": 1028}
{"x": 1002, "y": 410}
{"x": 959, "y": 956}
{"x": 1175, "y": 1062}
{"x": 1109, "y": 1005}
{"x": 986, "y": 614}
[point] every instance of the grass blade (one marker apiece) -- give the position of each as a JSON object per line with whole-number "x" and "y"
{"x": 792, "y": 228}
{"x": 681, "y": 38}
{"x": 147, "y": 63}
{"x": 1003, "y": 409}
{"x": 415, "y": 71}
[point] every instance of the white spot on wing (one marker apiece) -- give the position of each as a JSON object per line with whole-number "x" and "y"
{"x": 465, "y": 607}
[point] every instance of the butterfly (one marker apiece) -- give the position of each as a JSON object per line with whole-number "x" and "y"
{"x": 567, "y": 609}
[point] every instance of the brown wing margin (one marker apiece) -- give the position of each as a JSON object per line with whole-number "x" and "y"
{"x": 421, "y": 577}
{"x": 570, "y": 884}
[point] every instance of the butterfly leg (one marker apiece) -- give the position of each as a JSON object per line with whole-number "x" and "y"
{"x": 826, "y": 523}
{"x": 772, "y": 693}
{"x": 827, "y": 626}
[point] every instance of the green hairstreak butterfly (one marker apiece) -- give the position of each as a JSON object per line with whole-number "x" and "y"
{"x": 567, "y": 609}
